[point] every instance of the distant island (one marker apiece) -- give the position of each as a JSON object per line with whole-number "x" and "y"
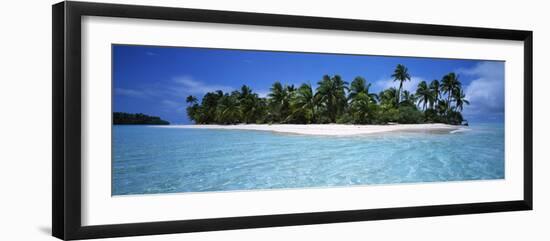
{"x": 121, "y": 118}
{"x": 336, "y": 101}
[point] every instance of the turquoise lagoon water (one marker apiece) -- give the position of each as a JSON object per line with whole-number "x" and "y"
{"x": 148, "y": 159}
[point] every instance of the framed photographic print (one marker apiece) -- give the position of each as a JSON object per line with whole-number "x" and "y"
{"x": 170, "y": 120}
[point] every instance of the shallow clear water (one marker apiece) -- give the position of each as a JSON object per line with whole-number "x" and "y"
{"x": 148, "y": 159}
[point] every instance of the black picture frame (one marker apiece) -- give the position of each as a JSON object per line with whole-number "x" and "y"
{"x": 66, "y": 128}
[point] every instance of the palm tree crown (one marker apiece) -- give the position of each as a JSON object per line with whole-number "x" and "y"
{"x": 388, "y": 96}
{"x": 191, "y": 100}
{"x": 304, "y": 104}
{"x": 434, "y": 88}
{"x": 424, "y": 93}
{"x": 279, "y": 99}
{"x": 408, "y": 98}
{"x": 460, "y": 100}
{"x": 450, "y": 84}
{"x": 401, "y": 74}
{"x": 359, "y": 85}
{"x": 332, "y": 95}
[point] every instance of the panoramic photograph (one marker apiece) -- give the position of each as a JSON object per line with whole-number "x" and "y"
{"x": 189, "y": 120}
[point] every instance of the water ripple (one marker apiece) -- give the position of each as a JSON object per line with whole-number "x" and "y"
{"x": 165, "y": 160}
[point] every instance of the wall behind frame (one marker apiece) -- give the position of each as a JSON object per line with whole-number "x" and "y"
{"x": 25, "y": 123}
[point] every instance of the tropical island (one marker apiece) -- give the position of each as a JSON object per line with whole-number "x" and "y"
{"x": 336, "y": 101}
{"x": 121, "y": 118}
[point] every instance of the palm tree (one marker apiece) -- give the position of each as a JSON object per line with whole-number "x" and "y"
{"x": 434, "y": 88}
{"x": 424, "y": 93}
{"x": 277, "y": 92}
{"x": 290, "y": 88}
{"x": 329, "y": 103}
{"x": 304, "y": 103}
{"x": 360, "y": 108}
{"x": 331, "y": 92}
{"x": 290, "y": 93}
{"x": 359, "y": 85}
{"x": 400, "y": 74}
{"x": 228, "y": 111}
{"x": 460, "y": 99}
{"x": 279, "y": 100}
{"x": 442, "y": 107}
{"x": 408, "y": 98}
{"x": 192, "y": 100}
{"x": 248, "y": 104}
{"x": 245, "y": 91}
{"x": 209, "y": 105}
{"x": 388, "y": 96}
{"x": 193, "y": 110}
{"x": 450, "y": 84}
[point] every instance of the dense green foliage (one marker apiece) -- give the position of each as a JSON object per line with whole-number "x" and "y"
{"x": 121, "y": 118}
{"x": 335, "y": 101}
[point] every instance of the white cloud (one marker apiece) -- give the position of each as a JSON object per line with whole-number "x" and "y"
{"x": 187, "y": 85}
{"x": 169, "y": 95}
{"x": 487, "y": 69}
{"x": 175, "y": 89}
{"x": 486, "y": 91}
{"x": 136, "y": 93}
{"x": 174, "y": 105}
{"x": 171, "y": 103}
{"x": 129, "y": 92}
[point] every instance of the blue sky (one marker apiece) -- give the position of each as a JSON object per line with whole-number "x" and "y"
{"x": 156, "y": 80}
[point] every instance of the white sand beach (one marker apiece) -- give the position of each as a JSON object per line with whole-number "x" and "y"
{"x": 329, "y": 129}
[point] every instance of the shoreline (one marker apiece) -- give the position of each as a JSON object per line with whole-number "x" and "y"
{"x": 328, "y": 129}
